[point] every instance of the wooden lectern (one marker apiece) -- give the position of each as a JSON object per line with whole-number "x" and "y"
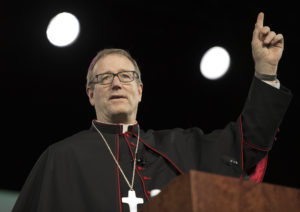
{"x": 198, "y": 191}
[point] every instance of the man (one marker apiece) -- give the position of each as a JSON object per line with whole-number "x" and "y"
{"x": 115, "y": 165}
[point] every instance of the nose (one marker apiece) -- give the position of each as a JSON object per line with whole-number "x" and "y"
{"x": 116, "y": 82}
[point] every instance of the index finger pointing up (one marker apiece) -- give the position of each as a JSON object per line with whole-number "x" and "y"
{"x": 260, "y": 20}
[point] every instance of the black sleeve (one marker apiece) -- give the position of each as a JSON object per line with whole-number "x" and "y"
{"x": 237, "y": 148}
{"x": 263, "y": 112}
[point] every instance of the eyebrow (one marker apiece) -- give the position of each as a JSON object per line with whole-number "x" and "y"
{"x": 110, "y": 72}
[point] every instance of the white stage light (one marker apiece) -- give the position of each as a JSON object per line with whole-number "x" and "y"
{"x": 215, "y": 63}
{"x": 63, "y": 29}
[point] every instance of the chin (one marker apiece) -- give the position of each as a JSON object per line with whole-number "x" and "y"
{"x": 119, "y": 111}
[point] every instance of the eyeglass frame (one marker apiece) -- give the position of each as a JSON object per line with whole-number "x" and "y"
{"x": 135, "y": 76}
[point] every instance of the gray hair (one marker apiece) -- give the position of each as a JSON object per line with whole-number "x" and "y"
{"x": 103, "y": 53}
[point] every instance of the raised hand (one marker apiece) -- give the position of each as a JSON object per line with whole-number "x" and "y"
{"x": 267, "y": 47}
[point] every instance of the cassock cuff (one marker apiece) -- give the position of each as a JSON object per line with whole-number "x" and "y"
{"x": 263, "y": 112}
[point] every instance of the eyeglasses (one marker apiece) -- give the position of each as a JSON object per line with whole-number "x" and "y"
{"x": 123, "y": 76}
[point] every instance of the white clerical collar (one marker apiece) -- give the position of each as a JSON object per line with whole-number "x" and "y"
{"x": 124, "y": 126}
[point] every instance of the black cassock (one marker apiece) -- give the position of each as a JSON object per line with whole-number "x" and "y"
{"x": 79, "y": 174}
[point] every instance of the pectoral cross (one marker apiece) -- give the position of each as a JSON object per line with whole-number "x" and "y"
{"x": 132, "y": 201}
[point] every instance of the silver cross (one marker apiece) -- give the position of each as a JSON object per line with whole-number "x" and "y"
{"x": 132, "y": 201}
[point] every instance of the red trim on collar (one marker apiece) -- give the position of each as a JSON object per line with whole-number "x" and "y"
{"x": 133, "y": 127}
{"x": 155, "y": 150}
{"x": 112, "y": 124}
{"x": 117, "y": 125}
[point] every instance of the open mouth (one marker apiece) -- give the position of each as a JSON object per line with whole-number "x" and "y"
{"x": 117, "y": 97}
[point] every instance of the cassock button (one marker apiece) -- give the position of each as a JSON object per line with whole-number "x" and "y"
{"x": 140, "y": 168}
{"x": 132, "y": 144}
{"x": 147, "y": 178}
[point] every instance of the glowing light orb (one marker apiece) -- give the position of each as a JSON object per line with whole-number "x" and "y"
{"x": 215, "y": 63}
{"x": 63, "y": 29}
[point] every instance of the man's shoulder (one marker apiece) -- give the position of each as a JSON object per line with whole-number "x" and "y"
{"x": 177, "y": 130}
{"x": 75, "y": 141}
{"x": 174, "y": 134}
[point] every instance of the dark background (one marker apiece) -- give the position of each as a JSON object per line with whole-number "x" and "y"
{"x": 43, "y": 86}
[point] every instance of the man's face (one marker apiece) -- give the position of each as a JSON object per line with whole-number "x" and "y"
{"x": 115, "y": 99}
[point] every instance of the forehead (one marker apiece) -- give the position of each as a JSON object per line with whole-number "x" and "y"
{"x": 113, "y": 63}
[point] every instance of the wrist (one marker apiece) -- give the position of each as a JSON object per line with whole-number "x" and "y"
{"x": 266, "y": 68}
{"x": 266, "y": 77}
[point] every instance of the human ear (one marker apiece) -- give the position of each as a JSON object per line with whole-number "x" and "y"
{"x": 90, "y": 93}
{"x": 140, "y": 90}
